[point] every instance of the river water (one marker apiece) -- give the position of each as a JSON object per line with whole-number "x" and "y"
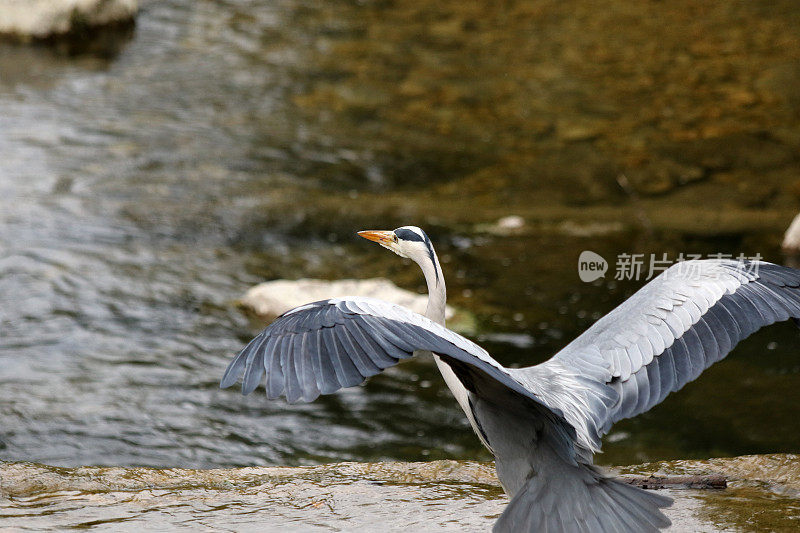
{"x": 430, "y": 496}
{"x": 145, "y": 188}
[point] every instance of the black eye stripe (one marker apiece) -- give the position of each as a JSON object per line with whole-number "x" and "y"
{"x": 408, "y": 235}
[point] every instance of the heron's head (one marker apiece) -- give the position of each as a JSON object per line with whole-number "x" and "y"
{"x": 407, "y": 241}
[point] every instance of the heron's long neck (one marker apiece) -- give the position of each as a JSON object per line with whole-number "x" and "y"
{"x": 437, "y": 298}
{"x": 437, "y": 293}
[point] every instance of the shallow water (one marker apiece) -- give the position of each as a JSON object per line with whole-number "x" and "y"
{"x": 764, "y": 494}
{"x": 231, "y": 142}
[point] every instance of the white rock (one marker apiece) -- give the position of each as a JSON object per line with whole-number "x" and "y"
{"x": 504, "y": 226}
{"x": 791, "y": 239}
{"x": 37, "y": 19}
{"x": 511, "y": 222}
{"x": 273, "y": 298}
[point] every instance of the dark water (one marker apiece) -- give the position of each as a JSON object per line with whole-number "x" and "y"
{"x": 231, "y": 142}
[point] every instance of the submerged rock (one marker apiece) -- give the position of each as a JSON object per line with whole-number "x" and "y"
{"x": 27, "y": 20}
{"x": 272, "y": 298}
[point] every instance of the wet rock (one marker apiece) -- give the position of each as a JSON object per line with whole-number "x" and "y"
{"x": 663, "y": 176}
{"x": 590, "y": 229}
{"x": 651, "y": 181}
{"x": 780, "y": 82}
{"x": 755, "y": 151}
{"x": 272, "y": 298}
{"x": 742, "y": 97}
{"x": 762, "y": 486}
{"x": 27, "y": 20}
{"x": 592, "y": 175}
{"x": 579, "y": 130}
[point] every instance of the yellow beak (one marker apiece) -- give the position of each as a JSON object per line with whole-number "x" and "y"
{"x": 385, "y": 238}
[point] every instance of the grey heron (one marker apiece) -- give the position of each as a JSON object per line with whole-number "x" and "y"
{"x": 543, "y": 423}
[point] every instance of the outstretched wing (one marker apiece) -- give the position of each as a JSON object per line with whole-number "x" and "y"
{"x": 323, "y": 346}
{"x": 667, "y": 333}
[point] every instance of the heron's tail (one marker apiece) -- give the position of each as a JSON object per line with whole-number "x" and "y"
{"x": 590, "y": 503}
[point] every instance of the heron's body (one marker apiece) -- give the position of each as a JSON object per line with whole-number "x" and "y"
{"x": 542, "y": 423}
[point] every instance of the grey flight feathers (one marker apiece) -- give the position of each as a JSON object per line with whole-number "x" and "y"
{"x": 543, "y": 423}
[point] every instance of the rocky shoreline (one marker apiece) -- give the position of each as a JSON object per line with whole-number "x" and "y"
{"x": 436, "y": 495}
{"x": 43, "y": 20}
